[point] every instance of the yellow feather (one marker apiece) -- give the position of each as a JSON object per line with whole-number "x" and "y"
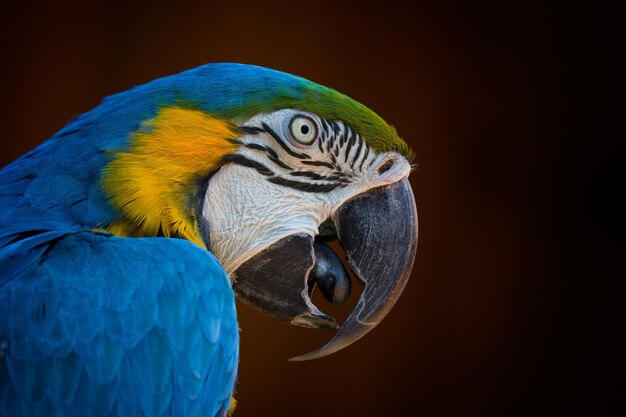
{"x": 154, "y": 181}
{"x": 233, "y": 405}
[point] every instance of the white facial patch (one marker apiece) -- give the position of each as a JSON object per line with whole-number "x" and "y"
{"x": 275, "y": 186}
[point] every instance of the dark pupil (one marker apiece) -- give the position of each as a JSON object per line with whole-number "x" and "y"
{"x": 304, "y": 129}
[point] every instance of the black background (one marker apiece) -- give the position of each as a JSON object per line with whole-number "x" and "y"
{"x": 507, "y": 109}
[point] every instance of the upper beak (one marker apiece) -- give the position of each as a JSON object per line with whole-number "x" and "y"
{"x": 378, "y": 232}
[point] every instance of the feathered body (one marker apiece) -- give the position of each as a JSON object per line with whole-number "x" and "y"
{"x": 96, "y": 324}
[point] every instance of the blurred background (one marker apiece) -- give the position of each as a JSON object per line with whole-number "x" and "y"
{"x": 504, "y": 106}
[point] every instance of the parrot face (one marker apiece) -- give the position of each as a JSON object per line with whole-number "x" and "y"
{"x": 294, "y": 177}
{"x": 281, "y": 182}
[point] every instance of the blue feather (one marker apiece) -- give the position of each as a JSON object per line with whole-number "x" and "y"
{"x": 94, "y": 399}
{"x": 98, "y": 325}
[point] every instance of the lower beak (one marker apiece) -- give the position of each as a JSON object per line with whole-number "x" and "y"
{"x": 378, "y": 232}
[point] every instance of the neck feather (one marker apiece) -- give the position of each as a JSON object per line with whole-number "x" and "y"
{"x": 154, "y": 182}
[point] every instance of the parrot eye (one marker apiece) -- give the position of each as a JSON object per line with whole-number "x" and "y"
{"x": 303, "y": 129}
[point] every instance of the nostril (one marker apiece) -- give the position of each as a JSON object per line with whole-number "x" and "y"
{"x": 385, "y": 167}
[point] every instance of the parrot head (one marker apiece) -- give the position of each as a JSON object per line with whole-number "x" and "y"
{"x": 263, "y": 168}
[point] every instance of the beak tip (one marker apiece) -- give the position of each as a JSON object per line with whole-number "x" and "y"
{"x": 331, "y": 347}
{"x": 303, "y": 358}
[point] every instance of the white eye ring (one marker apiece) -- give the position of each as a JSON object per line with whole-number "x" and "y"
{"x": 303, "y": 129}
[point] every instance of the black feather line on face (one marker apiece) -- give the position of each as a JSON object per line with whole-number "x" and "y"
{"x": 242, "y": 160}
{"x": 304, "y": 186}
{"x": 348, "y": 148}
{"x": 358, "y": 151}
{"x": 279, "y": 162}
{"x": 353, "y": 136}
{"x": 251, "y": 130}
{"x": 351, "y": 142}
{"x": 341, "y": 179}
{"x": 326, "y": 127}
{"x": 273, "y": 156}
{"x": 259, "y": 147}
{"x": 283, "y": 144}
{"x": 308, "y": 174}
{"x": 318, "y": 164}
{"x": 342, "y": 139}
{"x": 367, "y": 152}
{"x": 338, "y": 176}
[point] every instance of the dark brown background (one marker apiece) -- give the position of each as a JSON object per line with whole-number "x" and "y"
{"x": 503, "y": 105}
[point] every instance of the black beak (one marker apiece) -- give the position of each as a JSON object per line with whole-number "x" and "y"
{"x": 378, "y": 232}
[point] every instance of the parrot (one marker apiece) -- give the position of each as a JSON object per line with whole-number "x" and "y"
{"x": 127, "y": 236}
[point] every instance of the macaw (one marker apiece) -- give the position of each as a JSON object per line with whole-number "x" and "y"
{"x": 125, "y": 237}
